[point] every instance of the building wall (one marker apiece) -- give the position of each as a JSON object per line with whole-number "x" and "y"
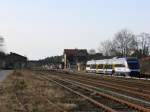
{"x": 75, "y": 59}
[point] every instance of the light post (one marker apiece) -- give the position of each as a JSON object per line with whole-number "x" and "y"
{"x": 95, "y": 66}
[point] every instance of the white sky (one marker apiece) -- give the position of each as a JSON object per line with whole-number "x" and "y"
{"x": 42, "y": 28}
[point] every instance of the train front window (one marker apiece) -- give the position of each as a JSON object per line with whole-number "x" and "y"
{"x": 133, "y": 65}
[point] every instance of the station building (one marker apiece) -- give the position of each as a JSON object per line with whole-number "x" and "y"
{"x": 75, "y": 59}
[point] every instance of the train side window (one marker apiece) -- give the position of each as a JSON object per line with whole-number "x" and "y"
{"x": 108, "y": 66}
{"x": 100, "y": 66}
{"x": 93, "y": 66}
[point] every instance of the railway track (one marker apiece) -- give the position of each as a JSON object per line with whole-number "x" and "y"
{"x": 136, "y": 83}
{"x": 139, "y": 85}
{"x": 144, "y": 84}
{"x": 119, "y": 94}
{"x": 79, "y": 101}
{"x": 86, "y": 103}
{"x": 129, "y": 90}
{"x": 124, "y": 83}
{"x": 91, "y": 93}
{"x": 131, "y": 82}
{"x": 117, "y": 87}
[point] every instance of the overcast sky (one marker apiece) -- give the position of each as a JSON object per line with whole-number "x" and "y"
{"x": 41, "y": 28}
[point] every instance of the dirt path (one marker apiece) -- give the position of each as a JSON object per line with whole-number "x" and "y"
{"x": 4, "y": 74}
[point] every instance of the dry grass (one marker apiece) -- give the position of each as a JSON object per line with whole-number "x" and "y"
{"x": 23, "y": 92}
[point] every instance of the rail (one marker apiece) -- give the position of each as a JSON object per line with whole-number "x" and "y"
{"x": 88, "y": 87}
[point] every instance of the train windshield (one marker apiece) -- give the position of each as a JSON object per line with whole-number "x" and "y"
{"x": 133, "y": 65}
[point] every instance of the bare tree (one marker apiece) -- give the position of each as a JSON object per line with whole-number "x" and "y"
{"x": 144, "y": 43}
{"x": 92, "y": 51}
{"x": 124, "y": 42}
{"x": 106, "y": 47}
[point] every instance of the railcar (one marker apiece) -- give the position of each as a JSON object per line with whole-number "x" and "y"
{"x": 118, "y": 66}
{"x": 91, "y": 66}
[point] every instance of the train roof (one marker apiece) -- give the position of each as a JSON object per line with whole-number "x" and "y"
{"x": 91, "y": 62}
{"x": 113, "y": 60}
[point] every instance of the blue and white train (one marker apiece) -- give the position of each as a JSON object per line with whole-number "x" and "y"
{"x": 128, "y": 66}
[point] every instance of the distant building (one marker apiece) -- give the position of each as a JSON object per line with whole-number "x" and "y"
{"x": 33, "y": 64}
{"x": 75, "y": 59}
{"x": 15, "y": 61}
